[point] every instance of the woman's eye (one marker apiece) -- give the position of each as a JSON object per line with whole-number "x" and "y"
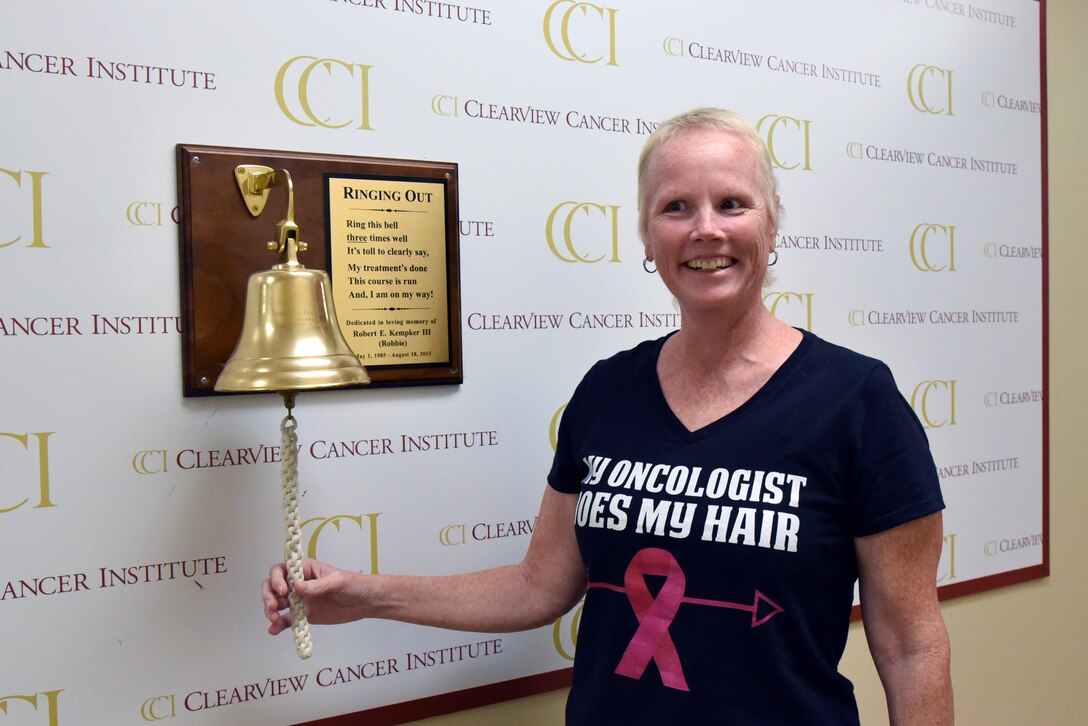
{"x": 674, "y": 206}
{"x": 730, "y": 204}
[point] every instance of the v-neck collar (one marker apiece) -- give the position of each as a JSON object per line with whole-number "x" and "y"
{"x": 775, "y": 382}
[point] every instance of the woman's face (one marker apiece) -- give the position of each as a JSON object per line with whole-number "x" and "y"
{"x": 708, "y": 228}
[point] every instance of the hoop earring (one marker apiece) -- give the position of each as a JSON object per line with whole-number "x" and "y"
{"x": 774, "y": 260}
{"x": 646, "y": 262}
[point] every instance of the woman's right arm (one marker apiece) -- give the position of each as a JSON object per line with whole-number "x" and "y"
{"x": 544, "y": 585}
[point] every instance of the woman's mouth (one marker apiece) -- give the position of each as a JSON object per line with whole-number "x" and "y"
{"x": 719, "y": 263}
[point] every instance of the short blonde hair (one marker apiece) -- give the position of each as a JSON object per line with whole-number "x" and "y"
{"x": 718, "y": 119}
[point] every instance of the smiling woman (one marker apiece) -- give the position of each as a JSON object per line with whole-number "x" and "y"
{"x": 710, "y": 224}
{"x": 731, "y": 461}
{"x": 726, "y": 392}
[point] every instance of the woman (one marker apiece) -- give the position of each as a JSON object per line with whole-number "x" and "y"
{"x": 715, "y": 494}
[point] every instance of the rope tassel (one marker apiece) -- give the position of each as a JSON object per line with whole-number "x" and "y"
{"x": 293, "y": 556}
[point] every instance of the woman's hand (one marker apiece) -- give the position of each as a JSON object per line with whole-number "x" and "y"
{"x": 332, "y": 595}
{"x": 546, "y": 584}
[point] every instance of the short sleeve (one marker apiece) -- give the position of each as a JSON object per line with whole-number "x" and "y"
{"x": 895, "y": 479}
{"x": 568, "y": 469}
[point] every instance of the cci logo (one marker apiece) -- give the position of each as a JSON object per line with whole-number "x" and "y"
{"x": 561, "y": 223}
{"x": 29, "y": 198}
{"x": 352, "y": 522}
{"x": 856, "y": 317}
{"x": 946, "y": 568}
{"x": 673, "y": 46}
{"x": 788, "y": 136}
{"x": 149, "y": 461}
{"x": 452, "y": 535}
{"x": 158, "y": 708}
{"x": 341, "y": 89}
{"x": 595, "y": 28}
{"x": 928, "y": 85}
{"x": 148, "y": 214}
{"x": 565, "y": 632}
{"x": 444, "y": 105}
{"x": 934, "y": 402}
{"x": 794, "y": 308}
{"x": 44, "y": 704}
{"x": 924, "y": 238}
{"x": 36, "y": 453}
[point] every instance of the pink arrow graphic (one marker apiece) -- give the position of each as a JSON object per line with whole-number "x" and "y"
{"x": 772, "y": 607}
{"x": 651, "y": 640}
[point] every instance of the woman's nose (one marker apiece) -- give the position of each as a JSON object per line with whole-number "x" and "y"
{"x": 707, "y": 223}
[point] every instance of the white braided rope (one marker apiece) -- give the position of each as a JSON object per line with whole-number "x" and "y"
{"x": 292, "y": 553}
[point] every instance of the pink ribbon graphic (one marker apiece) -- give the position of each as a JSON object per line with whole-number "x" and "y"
{"x": 651, "y": 640}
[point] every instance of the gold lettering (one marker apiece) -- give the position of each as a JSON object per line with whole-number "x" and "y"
{"x": 35, "y": 202}
{"x": 140, "y": 461}
{"x": 50, "y": 697}
{"x": 950, "y": 541}
{"x": 134, "y": 214}
{"x": 311, "y": 548}
{"x": 557, "y": 632}
{"x": 803, "y": 125}
{"x": 553, "y": 427}
{"x": 564, "y": 31}
{"x": 918, "y": 247}
{"x": 916, "y": 81}
{"x": 803, "y": 298}
{"x": 43, "y": 468}
{"x": 302, "y": 91}
{"x": 568, "y": 237}
{"x": 921, "y": 405}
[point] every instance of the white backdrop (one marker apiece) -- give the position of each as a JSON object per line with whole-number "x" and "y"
{"x": 137, "y": 524}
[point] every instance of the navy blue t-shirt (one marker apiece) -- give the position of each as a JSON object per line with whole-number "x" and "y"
{"x": 721, "y": 561}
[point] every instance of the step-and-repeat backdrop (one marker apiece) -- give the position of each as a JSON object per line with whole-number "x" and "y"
{"x": 136, "y": 524}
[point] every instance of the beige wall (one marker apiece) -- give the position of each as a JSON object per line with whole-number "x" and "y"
{"x": 1020, "y": 654}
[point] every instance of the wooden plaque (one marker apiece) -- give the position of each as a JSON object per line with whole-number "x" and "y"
{"x": 385, "y": 230}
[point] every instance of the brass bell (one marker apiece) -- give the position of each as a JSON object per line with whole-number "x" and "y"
{"x": 290, "y": 339}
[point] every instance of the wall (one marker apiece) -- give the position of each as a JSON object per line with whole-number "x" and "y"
{"x": 1019, "y": 654}
{"x": 108, "y": 396}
